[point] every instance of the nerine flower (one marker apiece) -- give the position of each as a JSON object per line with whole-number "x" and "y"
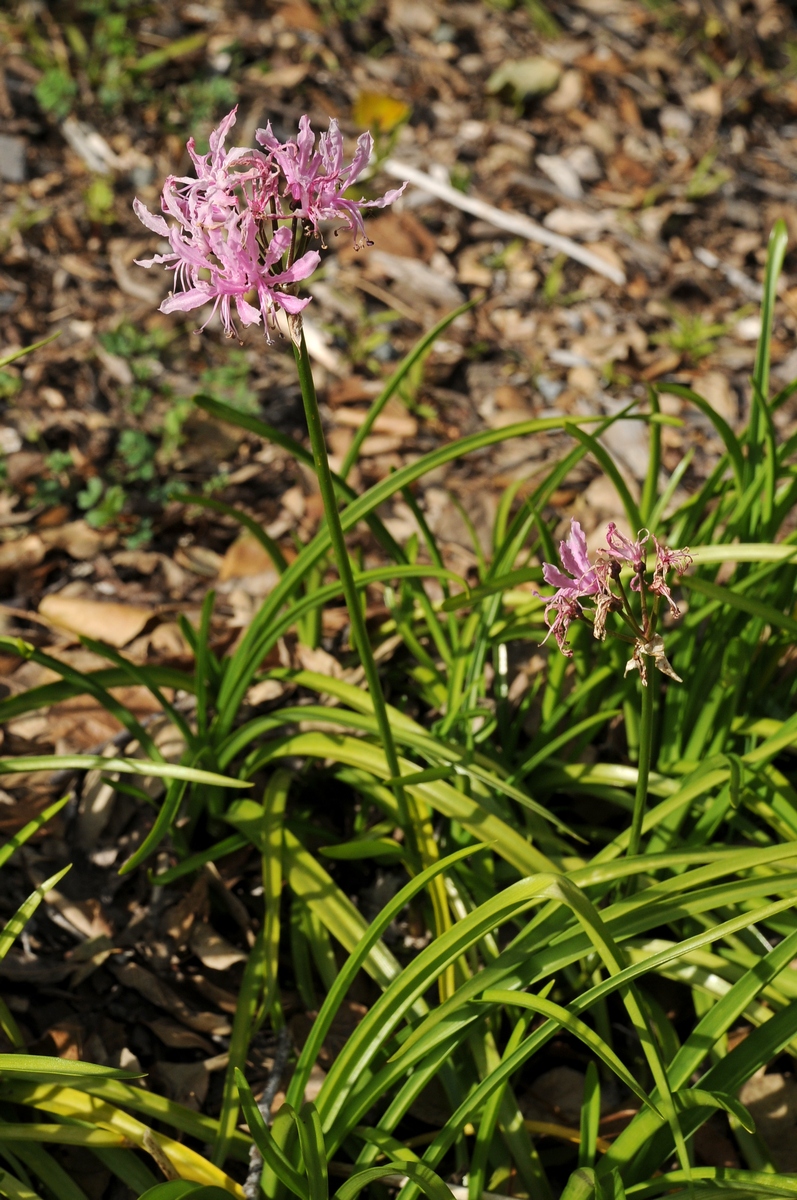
{"x": 226, "y": 241}
{"x": 316, "y": 180}
{"x": 666, "y": 560}
{"x": 622, "y": 549}
{"x": 582, "y": 578}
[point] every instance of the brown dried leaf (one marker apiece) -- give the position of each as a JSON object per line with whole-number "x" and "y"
{"x": 244, "y": 558}
{"x": 79, "y": 540}
{"x": 214, "y": 951}
{"x": 150, "y": 987}
{"x": 23, "y": 552}
{"x": 116, "y": 624}
{"x": 178, "y": 920}
{"x": 772, "y": 1101}
{"x": 185, "y": 1083}
{"x": 177, "y": 1037}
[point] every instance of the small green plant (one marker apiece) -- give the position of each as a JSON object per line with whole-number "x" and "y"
{"x": 691, "y": 335}
{"x": 704, "y": 181}
{"x": 101, "y": 502}
{"x": 99, "y": 197}
{"x": 53, "y": 487}
{"x": 204, "y": 98}
{"x": 141, "y": 349}
{"x": 56, "y": 92}
{"x": 137, "y": 454}
{"x": 10, "y": 384}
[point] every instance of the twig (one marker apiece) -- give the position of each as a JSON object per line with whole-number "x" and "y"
{"x": 737, "y": 278}
{"x": 252, "y": 1185}
{"x": 513, "y": 222}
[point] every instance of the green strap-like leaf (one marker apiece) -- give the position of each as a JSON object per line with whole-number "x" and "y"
{"x": 11, "y": 932}
{"x": 426, "y": 1180}
{"x": 578, "y": 1028}
{"x": 270, "y": 1151}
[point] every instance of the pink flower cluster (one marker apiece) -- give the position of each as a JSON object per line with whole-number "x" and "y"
{"x": 600, "y": 580}
{"x": 227, "y": 243}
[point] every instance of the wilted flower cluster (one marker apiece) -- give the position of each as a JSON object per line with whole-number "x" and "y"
{"x": 600, "y": 580}
{"x": 228, "y": 237}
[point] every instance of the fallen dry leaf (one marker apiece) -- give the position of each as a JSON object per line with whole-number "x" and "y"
{"x": 23, "y": 552}
{"x": 116, "y": 624}
{"x": 79, "y": 540}
{"x": 177, "y": 921}
{"x": 158, "y": 993}
{"x": 177, "y": 1036}
{"x": 214, "y": 951}
{"x": 244, "y": 558}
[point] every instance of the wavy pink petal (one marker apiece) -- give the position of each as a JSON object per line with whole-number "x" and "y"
{"x": 247, "y": 312}
{"x": 556, "y": 578}
{"x": 216, "y": 139}
{"x": 573, "y": 552}
{"x": 279, "y": 243}
{"x": 302, "y": 268}
{"x": 383, "y": 201}
{"x": 153, "y": 222}
{"x": 195, "y": 297}
{"x": 362, "y": 157}
{"x": 291, "y": 304}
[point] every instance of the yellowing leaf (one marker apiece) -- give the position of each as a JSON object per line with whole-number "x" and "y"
{"x": 373, "y": 110}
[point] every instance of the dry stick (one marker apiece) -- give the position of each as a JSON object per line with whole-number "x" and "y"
{"x": 747, "y": 286}
{"x": 513, "y": 222}
{"x": 252, "y": 1186}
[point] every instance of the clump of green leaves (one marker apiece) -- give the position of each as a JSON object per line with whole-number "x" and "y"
{"x": 102, "y": 503}
{"x": 52, "y": 487}
{"x": 205, "y": 98}
{"x": 691, "y": 335}
{"x": 56, "y": 92}
{"x": 10, "y": 384}
{"x": 97, "y": 55}
{"x": 140, "y": 348}
{"x": 704, "y": 180}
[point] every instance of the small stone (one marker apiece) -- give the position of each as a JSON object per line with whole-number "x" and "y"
{"x": 584, "y": 380}
{"x": 748, "y": 329}
{"x": 561, "y": 174}
{"x": 599, "y": 135}
{"x": 585, "y": 163}
{"x": 525, "y": 77}
{"x": 675, "y": 121}
{"x": 10, "y": 441}
{"x": 12, "y": 159}
{"x": 549, "y": 388}
{"x": 708, "y": 101}
{"x": 568, "y": 94}
{"x": 52, "y": 397}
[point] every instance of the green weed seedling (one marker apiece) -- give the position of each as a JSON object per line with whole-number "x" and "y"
{"x": 691, "y": 335}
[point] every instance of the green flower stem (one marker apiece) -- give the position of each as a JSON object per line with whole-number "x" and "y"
{"x": 358, "y": 628}
{"x": 643, "y": 765}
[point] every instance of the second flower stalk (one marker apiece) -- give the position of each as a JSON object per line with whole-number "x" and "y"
{"x": 601, "y": 581}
